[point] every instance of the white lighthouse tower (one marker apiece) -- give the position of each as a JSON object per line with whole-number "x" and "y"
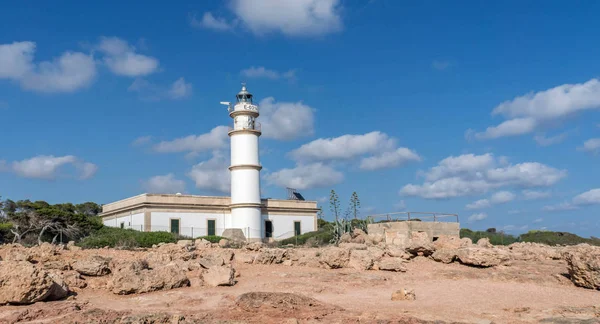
{"x": 245, "y": 167}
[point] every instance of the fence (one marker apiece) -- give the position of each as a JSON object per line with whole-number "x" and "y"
{"x": 195, "y": 232}
{"x": 406, "y": 216}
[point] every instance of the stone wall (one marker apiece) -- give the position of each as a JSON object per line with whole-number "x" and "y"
{"x": 399, "y": 233}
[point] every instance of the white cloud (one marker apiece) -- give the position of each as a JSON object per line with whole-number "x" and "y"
{"x": 591, "y": 197}
{"x": 560, "y": 207}
{"x": 212, "y": 174}
{"x": 47, "y": 167}
{"x": 262, "y": 72}
{"x": 500, "y": 197}
{"x": 307, "y": 176}
{"x": 67, "y": 73}
{"x": 401, "y": 205}
{"x": 142, "y": 140}
{"x": 528, "y": 112}
{"x": 164, "y": 184}
{"x": 122, "y": 59}
{"x": 479, "y": 204}
{"x": 344, "y": 147}
{"x": 470, "y": 174}
{"x": 538, "y": 220}
{"x": 591, "y": 146}
{"x": 440, "y": 65}
{"x": 391, "y": 159}
{"x": 211, "y": 22}
{"x": 534, "y": 195}
{"x": 285, "y": 120}
{"x": 291, "y": 18}
{"x": 180, "y": 89}
{"x": 216, "y": 139}
{"x": 477, "y": 217}
{"x": 543, "y": 140}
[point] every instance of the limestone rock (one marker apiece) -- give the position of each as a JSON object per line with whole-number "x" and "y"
{"x": 397, "y": 252}
{"x": 223, "y": 243}
{"x": 360, "y": 260}
{"x": 23, "y": 283}
{"x": 484, "y": 242}
{"x": 334, "y": 257}
{"x": 245, "y": 258}
{"x": 391, "y": 264}
{"x": 17, "y": 252}
{"x": 215, "y": 258}
{"x": 202, "y": 244}
{"x": 219, "y": 276}
{"x": 447, "y": 242}
{"x": 142, "y": 281}
{"x": 56, "y": 265}
{"x": 445, "y": 255}
{"x": 346, "y": 238}
{"x": 59, "y": 288}
{"x": 584, "y": 266}
{"x": 482, "y": 257}
{"x": 420, "y": 244}
{"x": 358, "y": 236}
{"x": 271, "y": 256}
{"x": 254, "y": 246}
{"x": 92, "y": 266}
{"x": 353, "y": 246}
{"x": 72, "y": 247}
{"x": 465, "y": 242}
{"x": 404, "y": 294}
{"x": 185, "y": 243}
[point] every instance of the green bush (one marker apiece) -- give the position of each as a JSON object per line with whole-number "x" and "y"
{"x": 496, "y": 238}
{"x": 317, "y": 238}
{"x": 556, "y": 238}
{"x": 211, "y": 238}
{"x": 125, "y": 238}
{"x": 5, "y": 234}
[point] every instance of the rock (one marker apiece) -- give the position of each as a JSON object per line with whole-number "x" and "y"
{"x": 334, "y": 257}
{"x": 397, "y": 252}
{"x": 447, "y": 242}
{"x": 353, "y": 246}
{"x": 185, "y": 243}
{"x": 271, "y": 256}
{"x": 73, "y": 279}
{"x": 404, "y": 294}
{"x": 254, "y": 246}
{"x": 465, "y": 242}
{"x": 481, "y": 257}
{"x": 72, "y": 247}
{"x": 358, "y": 236}
{"x": 23, "y": 283}
{"x": 92, "y": 266}
{"x": 360, "y": 260}
{"x": 445, "y": 255}
{"x": 59, "y": 288}
{"x": 245, "y": 258}
{"x": 135, "y": 265}
{"x": 202, "y": 244}
{"x": 136, "y": 282}
{"x": 56, "y": 265}
{"x": 305, "y": 257}
{"x": 215, "y": 258}
{"x": 167, "y": 252}
{"x": 234, "y": 234}
{"x": 584, "y": 266}
{"x": 346, "y": 238}
{"x": 391, "y": 264}
{"x": 223, "y": 243}
{"x": 484, "y": 242}
{"x": 420, "y": 244}
{"x": 17, "y": 252}
{"x": 219, "y": 276}
{"x": 535, "y": 251}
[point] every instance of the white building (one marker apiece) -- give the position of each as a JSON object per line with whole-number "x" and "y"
{"x": 193, "y": 216}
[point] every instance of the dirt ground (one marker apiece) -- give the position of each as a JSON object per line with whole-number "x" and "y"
{"x": 522, "y": 292}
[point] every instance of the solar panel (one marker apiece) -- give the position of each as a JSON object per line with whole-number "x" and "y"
{"x": 298, "y": 196}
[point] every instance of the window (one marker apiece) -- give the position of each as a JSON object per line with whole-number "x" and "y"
{"x": 297, "y": 228}
{"x": 212, "y": 227}
{"x": 122, "y": 224}
{"x": 268, "y": 228}
{"x": 175, "y": 225}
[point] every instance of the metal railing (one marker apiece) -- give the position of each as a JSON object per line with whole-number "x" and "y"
{"x": 406, "y": 216}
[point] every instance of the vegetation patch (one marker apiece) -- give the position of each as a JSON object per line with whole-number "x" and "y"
{"x": 125, "y": 238}
{"x": 211, "y": 238}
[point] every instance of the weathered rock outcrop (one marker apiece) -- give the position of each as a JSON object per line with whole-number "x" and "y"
{"x": 420, "y": 244}
{"x": 481, "y": 257}
{"x": 360, "y": 260}
{"x": 584, "y": 266}
{"x": 132, "y": 280}
{"x": 94, "y": 265}
{"x": 219, "y": 276}
{"x": 445, "y": 255}
{"x": 391, "y": 264}
{"x": 271, "y": 256}
{"x": 404, "y": 294}
{"x": 484, "y": 242}
{"x": 215, "y": 258}
{"x": 23, "y": 283}
{"x": 334, "y": 257}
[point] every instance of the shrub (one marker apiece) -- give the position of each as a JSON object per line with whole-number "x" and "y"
{"x": 125, "y": 238}
{"x": 211, "y": 238}
{"x": 5, "y": 234}
{"x": 317, "y": 238}
{"x": 496, "y": 238}
{"x": 555, "y": 238}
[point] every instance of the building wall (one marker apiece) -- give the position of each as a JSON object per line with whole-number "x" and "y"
{"x": 399, "y": 233}
{"x": 191, "y": 224}
{"x": 134, "y": 221}
{"x": 283, "y": 225}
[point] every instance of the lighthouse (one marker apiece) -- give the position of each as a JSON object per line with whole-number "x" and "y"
{"x": 245, "y": 167}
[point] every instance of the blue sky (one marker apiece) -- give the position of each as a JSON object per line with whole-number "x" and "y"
{"x": 488, "y": 110}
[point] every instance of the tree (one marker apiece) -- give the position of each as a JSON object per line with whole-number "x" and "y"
{"x": 491, "y": 230}
{"x": 334, "y": 204}
{"x": 354, "y": 205}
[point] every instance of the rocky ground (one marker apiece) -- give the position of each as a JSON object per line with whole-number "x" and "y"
{"x": 361, "y": 281}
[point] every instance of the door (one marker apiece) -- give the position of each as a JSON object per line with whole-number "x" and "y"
{"x": 297, "y": 228}
{"x": 268, "y": 228}
{"x": 175, "y": 226}
{"x": 212, "y": 227}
